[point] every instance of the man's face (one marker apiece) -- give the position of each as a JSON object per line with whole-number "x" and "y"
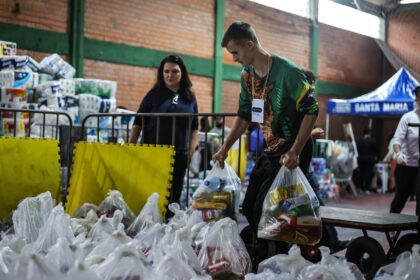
{"x": 241, "y": 52}
{"x": 418, "y": 100}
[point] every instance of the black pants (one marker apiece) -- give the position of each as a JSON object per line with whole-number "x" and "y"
{"x": 260, "y": 180}
{"x": 405, "y": 180}
{"x": 366, "y": 174}
{"x": 180, "y": 167}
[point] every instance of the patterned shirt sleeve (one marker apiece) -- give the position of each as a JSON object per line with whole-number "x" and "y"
{"x": 301, "y": 92}
{"x": 245, "y": 103}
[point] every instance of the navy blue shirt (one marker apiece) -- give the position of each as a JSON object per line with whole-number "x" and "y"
{"x": 162, "y": 101}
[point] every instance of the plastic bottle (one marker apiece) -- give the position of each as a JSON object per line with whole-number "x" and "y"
{"x": 212, "y": 183}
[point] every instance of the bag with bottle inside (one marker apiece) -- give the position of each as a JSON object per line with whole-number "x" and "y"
{"x": 291, "y": 210}
{"x": 218, "y": 195}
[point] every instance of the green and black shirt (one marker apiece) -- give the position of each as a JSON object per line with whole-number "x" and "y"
{"x": 287, "y": 98}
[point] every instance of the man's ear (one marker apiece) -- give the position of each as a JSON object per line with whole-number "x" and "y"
{"x": 250, "y": 44}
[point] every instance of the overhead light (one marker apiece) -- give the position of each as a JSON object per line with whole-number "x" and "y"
{"x": 409, "y": 1}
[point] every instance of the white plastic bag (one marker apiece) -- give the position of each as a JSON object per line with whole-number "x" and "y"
{"x": 223, "y": 254}
{"x": 291, "y": 263}
{"x": 291, "y": 210}
{"x": 148, "y": 216}
{"x": 31, "y": 214}
{"x": 219, "y": 192}
{"x": 115, "y": 201}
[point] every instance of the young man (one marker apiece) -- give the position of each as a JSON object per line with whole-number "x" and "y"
{"x": 276, "y": 94}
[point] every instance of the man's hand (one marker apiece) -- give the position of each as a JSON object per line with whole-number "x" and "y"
{"x": 401, "y": 158}
{"x": 220, "y": 157}
{"x": 290, "y": 160}
{"x": 317, "y": 133}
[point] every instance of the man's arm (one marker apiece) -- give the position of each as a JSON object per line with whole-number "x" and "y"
{"x": 135, "y": 133}
{"x": 291, "y": 158}
{"x": 239, "y": 127}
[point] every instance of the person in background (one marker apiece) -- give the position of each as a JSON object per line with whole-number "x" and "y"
{"x": 390, "y": 159}
{"x": 172, "y": 93}
{"x": 268, "y": 80}
{"x": 406, "y": 150}
{"x": 367, "y": 156}
{"x": 329, "y": 233}
{"x": 198, "y": 158}
{"x": 218, "y": 127}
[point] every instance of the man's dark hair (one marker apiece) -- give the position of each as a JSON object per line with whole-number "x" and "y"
{"x": 310, "y": 76}
{"x": 239, "y": 32}
{"x": 416, "y": 91}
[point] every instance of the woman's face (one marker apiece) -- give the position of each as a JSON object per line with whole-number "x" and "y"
{"x": 172, "y": 75}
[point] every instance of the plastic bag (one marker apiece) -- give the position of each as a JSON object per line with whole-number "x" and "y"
{"x": 57, "y": 225}
{"x": 31, "y": 215}
{"x": 223, "y": 254}
{"x": 150, "y": 237}
{"x": 404, "y": 267}
{"x": 61, "y": 256}
{"x": 219, "y": 192}
{"x": 115, "y": 201}
{"x": 268, "y": 275}
{"x": 33, "y": 266}
{"x": 107, "y": 246}
{"x": 7, "y": 260}
{"x": 148, "y": 216}
{"x": 101, "y": 230}
{"x": 291, "y": 263}
{"x": 123, "y": 263}
{"x": 291, "y": 210}
{"x": 330, "y": 268}
{"x": 83, "y": 225}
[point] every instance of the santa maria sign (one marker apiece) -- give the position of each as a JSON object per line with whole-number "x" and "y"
{"x": 381, "y": 107}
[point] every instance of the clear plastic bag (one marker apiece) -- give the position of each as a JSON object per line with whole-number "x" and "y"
{"x": 291, "y": 210}
{"x": 106, "y": 247}
{"x": 33, "y": 266}
{"x": 291, "y": 263}
{"x": 123, "y": 263}
{"x": 115, "y": 201}
{"x": 57, "y": 225}
{"x": 61, "y": 256}
{"x": 219, "y": 192}
{"x": 223, "y": 254}
{"x": 31, "y": 214}
{"x": 148, "y": 216}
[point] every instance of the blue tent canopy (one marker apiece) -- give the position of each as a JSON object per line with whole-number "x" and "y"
{"x": 394, "y": 97}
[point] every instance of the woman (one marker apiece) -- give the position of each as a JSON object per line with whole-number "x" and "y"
{"x": 171, "y": 93}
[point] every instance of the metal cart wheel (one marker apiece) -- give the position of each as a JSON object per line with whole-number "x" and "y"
{"x": 367, "y": 254}
{"x": 405, "y": 243}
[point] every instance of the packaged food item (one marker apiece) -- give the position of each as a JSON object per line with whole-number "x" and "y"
{"x": 7, "y": 48}
{"x": 218, "y": 194}
{"x": 291, "y": 210}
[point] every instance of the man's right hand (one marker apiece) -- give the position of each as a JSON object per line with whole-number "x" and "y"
{"x": 220, "y": 156}
{"x": 401, "y": 158}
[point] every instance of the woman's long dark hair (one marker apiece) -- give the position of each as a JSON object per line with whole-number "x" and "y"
{"x": 185, "y": 83}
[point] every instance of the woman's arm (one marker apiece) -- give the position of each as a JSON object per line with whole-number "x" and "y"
{"x": 135, "y": 133}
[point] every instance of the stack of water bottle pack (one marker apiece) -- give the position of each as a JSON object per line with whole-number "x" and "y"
{"x": 218, "y": 195}
{"x": 49, "y": 86}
